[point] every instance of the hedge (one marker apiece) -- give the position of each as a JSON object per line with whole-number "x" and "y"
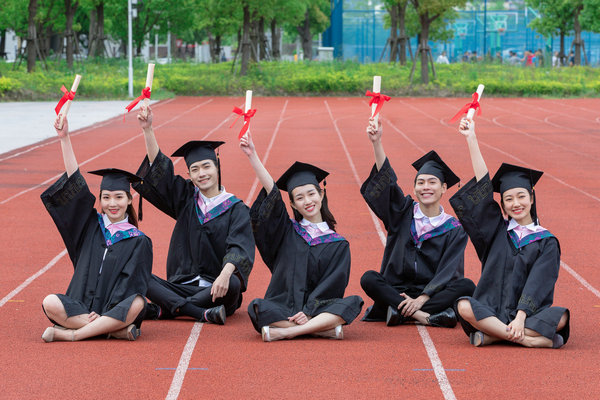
{"x": 107, "y": 79}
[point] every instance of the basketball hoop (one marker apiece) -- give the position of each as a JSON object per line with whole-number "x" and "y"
{"x": 501, "y": 31}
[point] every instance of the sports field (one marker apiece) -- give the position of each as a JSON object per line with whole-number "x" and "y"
{"x": 187, "y": 360}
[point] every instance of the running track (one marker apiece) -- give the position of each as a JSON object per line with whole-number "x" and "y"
{"x": 185, "y": 360}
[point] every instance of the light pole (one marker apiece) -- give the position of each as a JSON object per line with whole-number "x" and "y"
{"x": 129, "y": 47}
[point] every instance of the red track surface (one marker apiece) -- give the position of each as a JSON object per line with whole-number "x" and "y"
{"x": 560, "y": 137}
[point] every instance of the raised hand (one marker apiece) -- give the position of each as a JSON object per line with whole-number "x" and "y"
{"x": 145, "y": 116}
{"x": 64, "y": 131}
{"x": 374, "y": 130}
{"x": 247, "y": 145}
{"x": 467, "y": 127}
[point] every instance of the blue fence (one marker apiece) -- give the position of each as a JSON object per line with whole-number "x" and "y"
{"x": 357, "y": 33}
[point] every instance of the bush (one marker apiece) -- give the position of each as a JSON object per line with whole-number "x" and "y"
{"x": 108, "y": 79}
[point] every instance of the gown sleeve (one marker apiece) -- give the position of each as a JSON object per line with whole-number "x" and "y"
{"x": 333, "y": 282}
{"x": 451, "y": 264}
{"x": 240, "y": 244}
{"x": 541, "y": 279}
{"x": 270, "y": 221}
{"x": 161, "y": 187}
{"x": 384, "y": 196}
{"x": 71, "y": 205}
{"x": 479, "y": 213}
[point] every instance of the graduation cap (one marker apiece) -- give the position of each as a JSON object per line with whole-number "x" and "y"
{"x": 300, "y": 174}
{"x": 511, "y": 176}
{"x": 117, "y": 179}
{"x": 432, "y": 164}
{"x": 198, "y": 150}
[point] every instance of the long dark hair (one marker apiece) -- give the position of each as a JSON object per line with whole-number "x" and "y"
{"x": 326, "y": 214}
{"x": 131, "y": 214}
{"x": 532, "y": 210}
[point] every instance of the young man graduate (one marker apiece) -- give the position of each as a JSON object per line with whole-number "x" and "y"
{"x": 422, "y": 272}
{"x": 211, "y": 252}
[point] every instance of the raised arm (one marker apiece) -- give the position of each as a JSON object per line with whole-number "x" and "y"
{"x": 65, "y": 143}
{"x": 375, "y": 131}
{"x": 145, "y": 120}
{"x": 261, "y": 172}
{"x": 467, "y": 129}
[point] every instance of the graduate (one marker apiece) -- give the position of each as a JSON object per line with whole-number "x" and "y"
{"x": 211, "y": 252}
{"x": 112, "y": 258}
{"x": 308, "y": 260}
{"x": 520, "y": 259}
{"x": 422, "y": 271}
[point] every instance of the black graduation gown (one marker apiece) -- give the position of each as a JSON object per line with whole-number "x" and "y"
{"x": 308, "y": 275}
{"x": 425, "y": 263}
{"x": 200, "y": 244}
{"x": 106, "y": 287}
{"x": 515, "y": 275}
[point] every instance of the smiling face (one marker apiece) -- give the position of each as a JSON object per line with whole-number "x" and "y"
{"x": 517, "y": 203}
{"x": 429, "y": 189}
{"x": 114, "y": 204}
{"x": 307, "y": 199}
{"x": 205, "y": 176}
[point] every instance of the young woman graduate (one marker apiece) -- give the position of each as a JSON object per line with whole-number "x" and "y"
{"x": 212, "y": 248}
{"x": 309, "y": 261}
{"x": 422, "y": 271}
{"x": 112, "y": 258}
{"x": 520, "y": 259}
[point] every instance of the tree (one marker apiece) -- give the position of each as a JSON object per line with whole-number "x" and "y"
{"x": 316, "y": 20}
{"x": 556, "y": 17}
{"x": 428, "y": 12}
{"x": 31, "y": 35}
{"x": 70, "y": 8}
{"x": 398, "y": 37}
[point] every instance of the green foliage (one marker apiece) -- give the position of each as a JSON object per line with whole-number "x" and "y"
{"x": 108, "y": 80}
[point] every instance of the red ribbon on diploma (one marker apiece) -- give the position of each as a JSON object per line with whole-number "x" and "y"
{"x": 465, "y": 109}
{"x": 246, "y": 116}
{"x": 145, "y": 95}
{"x": 376, "y": 98}
{"x": 68, "y": 95}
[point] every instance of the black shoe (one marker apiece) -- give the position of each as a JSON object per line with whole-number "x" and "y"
{"x": 443, "y": 319}
{"x": 153, "y": 311}
{"x": 394, "y": 317}
{"x": 215, "y": 315}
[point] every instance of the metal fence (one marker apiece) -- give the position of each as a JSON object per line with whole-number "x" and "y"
{"x": 357, "y": 33}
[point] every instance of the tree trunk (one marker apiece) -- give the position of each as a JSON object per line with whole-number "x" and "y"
{"x": 31, "y": 35}
{"x": 70, "y": 8}
{"x": 262, "y": 40}
{"x": 2, "y": 43}
{"x": 393, "y": 11}
{"x": 561, "y": 54}
{"x": 306, "y": 37}
{"x": 253, "y": 39}
{"x": 214, "y": 46}
{"x": 275, "y": 40}
{"x": 93, "y": 32}
{"x": 402, "y": 28}
{"x": 577, "y": 40}
{"x": 245, "y": 42}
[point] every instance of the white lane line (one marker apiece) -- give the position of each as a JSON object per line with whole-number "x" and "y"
{"x": 266, "y": 156}
{"x": 436, "y": 363}
{"x": 32, "y": 278}
{"x": 184, "y": 362}
{"x": 101, "y": 154}
{"x": 580, "y": 279}
{"x": 78, "y": 132}
{"x": 186, "y": 355}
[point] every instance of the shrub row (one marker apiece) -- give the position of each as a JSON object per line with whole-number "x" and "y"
{"x": 108, "y": 80}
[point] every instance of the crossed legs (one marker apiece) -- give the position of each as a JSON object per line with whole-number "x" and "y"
{"x": 84, "y": 326}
